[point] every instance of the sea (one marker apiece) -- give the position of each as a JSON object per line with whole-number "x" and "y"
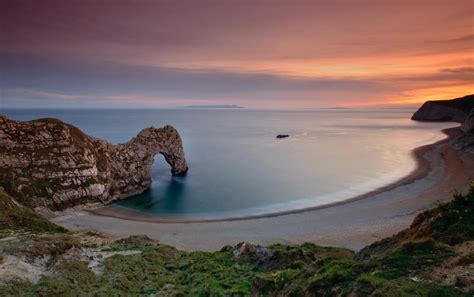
{"x": 238, "y": 168}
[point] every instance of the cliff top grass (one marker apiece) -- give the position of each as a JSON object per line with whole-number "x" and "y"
{"x": 15, "y": 218}
{"x": 407, "y": 264}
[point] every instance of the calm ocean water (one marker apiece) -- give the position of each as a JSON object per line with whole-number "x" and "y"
{"x": 238, "y": 167}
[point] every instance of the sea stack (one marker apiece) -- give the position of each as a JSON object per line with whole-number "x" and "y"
{"x": 50, "y": 164}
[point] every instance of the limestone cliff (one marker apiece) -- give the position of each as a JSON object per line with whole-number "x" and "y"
{"x": 466, "y": 141}
{"x": 468, "y": 125}
{"x": 455, "y": 110}
{"x": 48, "y": 163}
{"x": 459, "y": 110}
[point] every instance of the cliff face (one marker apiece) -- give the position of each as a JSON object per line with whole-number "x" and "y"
{"x": 466, "y": 141}
{"x": 468, "y": 125}
{"x": 459, "y": 110}
{"x": 456, "y": 110}
{"x": 48, "y": 163}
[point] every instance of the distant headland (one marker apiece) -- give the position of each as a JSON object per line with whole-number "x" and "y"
{"x": 454, "y": 110}
{"x": 460, "y": 110}
{"x": 220, "y": 106}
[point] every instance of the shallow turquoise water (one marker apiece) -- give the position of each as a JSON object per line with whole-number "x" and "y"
{"x": 238, "y": 167}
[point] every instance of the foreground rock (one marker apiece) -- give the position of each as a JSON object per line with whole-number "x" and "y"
{"x": 48, "y": 163}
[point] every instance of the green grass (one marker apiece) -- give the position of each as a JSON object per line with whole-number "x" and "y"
{"x": 454, "y": 221}
{"x": 185, "y": 274}
{"x": 411, "y": 257}
{"x": 386, "y": 269}
{"x": 408, "y": 288}
{"x": 16, "y": 218}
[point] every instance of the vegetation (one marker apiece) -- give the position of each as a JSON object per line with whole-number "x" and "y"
{"x": 16, "y": 218}
{"x": 402, "y": 265}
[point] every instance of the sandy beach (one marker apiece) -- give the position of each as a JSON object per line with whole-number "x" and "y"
{"x": 352, "y": 223}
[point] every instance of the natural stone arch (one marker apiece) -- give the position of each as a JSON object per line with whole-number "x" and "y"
{"x": 132, "y": 162}
{"x": 49, "y": 163}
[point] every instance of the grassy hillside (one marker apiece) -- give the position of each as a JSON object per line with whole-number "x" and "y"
{"x": 431, "y": 258}
{"x": 17, "y": 218}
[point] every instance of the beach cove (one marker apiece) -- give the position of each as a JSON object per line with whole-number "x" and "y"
{"x": 352, "y": 224}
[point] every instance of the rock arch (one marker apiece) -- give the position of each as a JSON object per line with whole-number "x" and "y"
{"x": 49, "y": 163}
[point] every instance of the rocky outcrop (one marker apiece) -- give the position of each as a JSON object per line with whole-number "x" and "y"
{"x": 459, "y": 110}
{"x": 468, "y": 125}
{"x": 466, "y": 141}
{"x": 48, "y": 163}
{"x": 455, "y": 110}
{"x": 248, "y": 252}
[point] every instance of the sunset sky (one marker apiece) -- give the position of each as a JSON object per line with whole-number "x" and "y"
{"x": 277, "y": 54}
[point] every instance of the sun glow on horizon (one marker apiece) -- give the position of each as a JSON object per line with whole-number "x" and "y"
{"x": 305, "y": 54}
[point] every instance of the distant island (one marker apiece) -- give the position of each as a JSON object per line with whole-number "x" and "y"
{"x": 328, "y": 108}
{"x": 220, "y": 106}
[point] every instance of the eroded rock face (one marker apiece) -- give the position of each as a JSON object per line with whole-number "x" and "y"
{"x": 468, "y": 125}
{"x": 459, "y": 110}
{"x": 250, "y": 253}
{"x": 456, "y": 110}
{"x": 48, "y": 163}
{"x": 466, "y": 141}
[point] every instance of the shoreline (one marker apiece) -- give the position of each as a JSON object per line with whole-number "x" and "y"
{"x": 352, "y": 224}
{"x": 421, "y": 170}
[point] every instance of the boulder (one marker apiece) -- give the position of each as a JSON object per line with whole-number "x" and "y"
{"x": 245, "y": 251}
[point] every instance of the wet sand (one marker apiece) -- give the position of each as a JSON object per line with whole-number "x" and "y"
{"x": 352, "y": 223}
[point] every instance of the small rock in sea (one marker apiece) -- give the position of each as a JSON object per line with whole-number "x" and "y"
{"x": 282, "y": 136}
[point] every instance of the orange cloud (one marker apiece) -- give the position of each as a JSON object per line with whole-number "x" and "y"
{"x": 285, "y": 53}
